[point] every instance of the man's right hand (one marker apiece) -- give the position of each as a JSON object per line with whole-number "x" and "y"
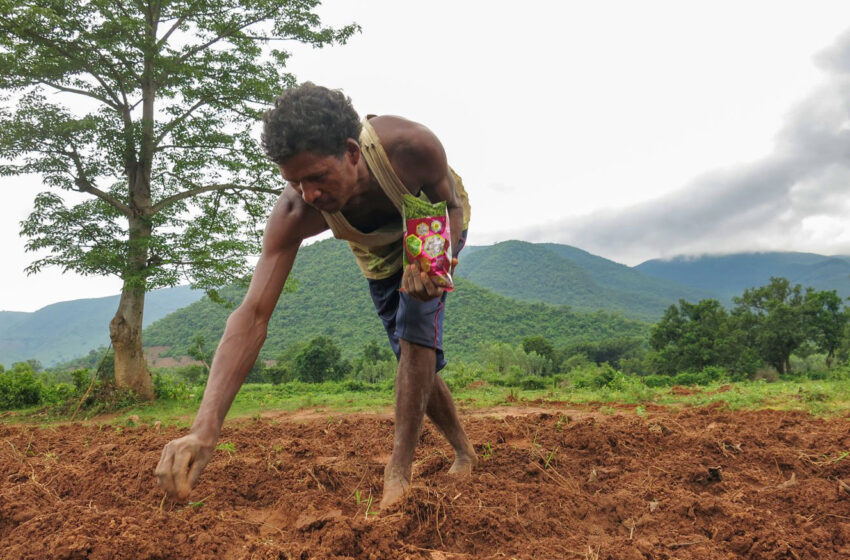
{"x": 181, "y": 464}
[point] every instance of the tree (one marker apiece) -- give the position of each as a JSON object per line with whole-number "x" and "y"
{"x": 610, "y": 351}
{"x": 164, "y": 145}
{"x": 826, "y": 320}
{"x": 320, "y": 360}
{"x": 692, "y": 336}
{"x": 774, "y": 317}
{"x": 198, "y": 350}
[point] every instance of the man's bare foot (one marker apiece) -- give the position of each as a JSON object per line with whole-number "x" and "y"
{"x": 394, "y": 489}
{"x": 464, "y": 463}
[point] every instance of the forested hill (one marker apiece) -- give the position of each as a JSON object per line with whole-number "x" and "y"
{"x": 332, "y": 298}
{"x": 564, "y": 275}
{"x": 67, "y": 330}
{"x": 730, "y": 275}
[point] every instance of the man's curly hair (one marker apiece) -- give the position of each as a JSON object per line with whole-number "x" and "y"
{"x": 309, "y": 118}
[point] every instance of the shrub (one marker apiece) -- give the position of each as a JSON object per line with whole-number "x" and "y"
{"x": 165, "y": 387}
{"x": 19, "y": 387}
{"x": 277, "y": 373}
{"x": 532, "y": 383}
{"x": 592, "y": 376}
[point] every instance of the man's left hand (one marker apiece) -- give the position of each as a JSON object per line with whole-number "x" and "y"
{"x": 418, "y": 284}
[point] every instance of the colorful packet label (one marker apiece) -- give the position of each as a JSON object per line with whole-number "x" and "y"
{"x": 427, "y": 240}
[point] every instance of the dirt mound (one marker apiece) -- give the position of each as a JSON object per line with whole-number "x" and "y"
{"x": 704, "y": 483}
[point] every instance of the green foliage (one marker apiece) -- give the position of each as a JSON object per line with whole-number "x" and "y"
{"x": 692, "y": 336}
{"x": 321, "y": 360}
{"x": 199, "y": 350}
{"x": 174, "y": 91}
{"x": 278, "y": 373}
{"x": 165, "y": 144}
{"x": 774, "y": 318}
{"x": 708, "y": 376}
{"x": 193, "y": 374}
{"x": 592, "y": 376}
{"x": 167, "y": 387}
{"x": 540, "y": 346}
{"x": 826, "y": 320}
{"x": 612, "y": 351}
{"x": 19, "y": 388}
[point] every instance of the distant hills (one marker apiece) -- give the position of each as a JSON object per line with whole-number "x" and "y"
{"x": 727, "y": 276}
{"x": 564, "y": 275}
{"x": 333, "y": 299}
{"x": 69, "y": 329}
{"x": 505, "y": 292}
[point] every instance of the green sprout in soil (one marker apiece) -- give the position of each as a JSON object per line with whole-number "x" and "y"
{"x": 488, "y": 451}
{"x": 226, "y": 446}
{"x": 358, "y": 498}
{"x": 550, "y": 457}
{"x": 199, "y": 504}
{"x": 561, "y": 420}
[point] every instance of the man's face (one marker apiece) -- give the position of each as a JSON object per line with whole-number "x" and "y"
{"x": 324, "y": 182}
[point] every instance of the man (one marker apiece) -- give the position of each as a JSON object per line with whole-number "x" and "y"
{"x": 348, "y": 176}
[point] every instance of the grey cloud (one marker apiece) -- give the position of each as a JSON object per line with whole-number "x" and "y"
{"x": 761, "y": 205}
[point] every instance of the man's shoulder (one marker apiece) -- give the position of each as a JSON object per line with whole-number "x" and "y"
{"x": 399, "y": 133}
{"x": 410, "y": 145}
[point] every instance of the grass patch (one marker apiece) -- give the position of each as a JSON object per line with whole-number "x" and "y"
{"x": 817, "y": 397}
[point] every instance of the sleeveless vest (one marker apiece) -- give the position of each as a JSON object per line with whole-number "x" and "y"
{"x": 379, "y": 253}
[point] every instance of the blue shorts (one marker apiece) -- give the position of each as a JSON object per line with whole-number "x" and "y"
{"x": 406, "y": 318}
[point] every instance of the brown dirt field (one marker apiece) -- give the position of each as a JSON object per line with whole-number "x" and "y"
{"x": 700, "y": 483}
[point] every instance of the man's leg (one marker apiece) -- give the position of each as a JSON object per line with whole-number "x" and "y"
{"x": 441, "y": 410}
{"x": 419, "y": 390}
{"x": 413, "y": 387}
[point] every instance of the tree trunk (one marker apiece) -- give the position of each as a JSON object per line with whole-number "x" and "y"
{"x": 125, "y": 329}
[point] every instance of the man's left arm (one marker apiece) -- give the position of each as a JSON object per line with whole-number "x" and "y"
{"x": 439, "y": 185}
{"x": 430, "y": 169}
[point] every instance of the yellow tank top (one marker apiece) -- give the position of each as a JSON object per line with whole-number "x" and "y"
{"x": 379, "y": 253}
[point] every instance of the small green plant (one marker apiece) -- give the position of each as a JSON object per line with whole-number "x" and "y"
{"x": 488, "y": 451}
{"x": 359, "y": 499}
{"x": 550, "y": 457}
{"x": 369, "y": 507}
{"x": 640, "y": 411}
{"x": 561, "y": 421}
{"x": 226, "y": 446}
{"x": 832, "y": 460}
{"x": 199, "y": 504}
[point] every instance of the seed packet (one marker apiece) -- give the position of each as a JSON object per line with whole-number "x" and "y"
{"x": 427, "y": 239}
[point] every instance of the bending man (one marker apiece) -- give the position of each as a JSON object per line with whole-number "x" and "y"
{"x": 348, "y": 176}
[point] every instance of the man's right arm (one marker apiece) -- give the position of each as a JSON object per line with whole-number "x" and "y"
{"x": 290, "y": 223}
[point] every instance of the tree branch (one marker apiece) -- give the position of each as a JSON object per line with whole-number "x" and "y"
{"x": 210, "y": 188}
{"x": 85, "y": 185}
{"x": 171, "y": 30}
{"x": 170, "y": 126}
{"x": 100, "y": 98}
{"x": 39, "y": 39}
{"x": 195, "y": 50}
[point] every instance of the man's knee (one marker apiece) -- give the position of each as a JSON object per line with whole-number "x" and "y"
{"x": 414, "y": 353}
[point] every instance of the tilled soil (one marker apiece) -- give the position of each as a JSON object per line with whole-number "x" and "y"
{"x": 699, "y": 483}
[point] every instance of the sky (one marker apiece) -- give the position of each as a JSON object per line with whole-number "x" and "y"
{"x": 631, "y": 130}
